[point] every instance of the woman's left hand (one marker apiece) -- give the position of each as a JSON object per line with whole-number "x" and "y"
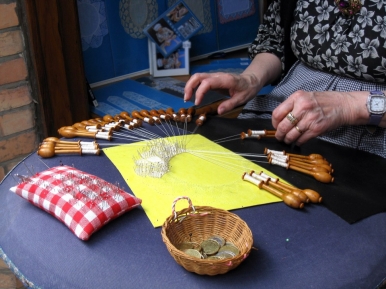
{"x": 305, "y": 115}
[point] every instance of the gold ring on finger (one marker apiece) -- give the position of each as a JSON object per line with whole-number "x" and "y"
{"x": 298, "y": 129}
{"x": 293, "y": 120}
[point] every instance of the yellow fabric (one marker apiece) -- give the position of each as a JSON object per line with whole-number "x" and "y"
{"x": 205, "y": 180}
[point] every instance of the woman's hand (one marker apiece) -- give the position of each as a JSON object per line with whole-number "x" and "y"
{"x": 265, "y": 68}
{"x": 317, "y": 113}
{"x": 241, "y": 88}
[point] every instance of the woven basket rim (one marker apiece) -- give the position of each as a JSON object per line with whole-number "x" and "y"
{"x": 189, "y": 261}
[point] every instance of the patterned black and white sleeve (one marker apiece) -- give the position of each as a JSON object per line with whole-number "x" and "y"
{"x": 270, "y": 36}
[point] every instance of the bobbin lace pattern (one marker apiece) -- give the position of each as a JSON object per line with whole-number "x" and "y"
{"x": 153, "y": 160}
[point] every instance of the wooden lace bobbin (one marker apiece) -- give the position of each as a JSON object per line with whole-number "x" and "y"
{"x": 70, "y": 132}
{"x": 201, "y": 119}
{"x": 108, "y": 118}
{"x": 280, "y": 158}
{"x": 57, "y": 147}
{"x": 121, "y": 119}
{"x": 69, "y": 149}
{"x": 312, "y": 167}
{"x": 255, "y": 133}
{"x": 90, "y": 151}
{"x": 83, "y": 127}
{"x": 289, "y": 199}
{"x": 268, "y": 151}
{"x": 210, "y": 109}
{"x": 174, "y": 115}
{"x": 93, "y": 122}
{"x": 88, "y": 144}
{"x": 48, "y": 151}
{"x": 146, "y": 119}
{"x": 103, "y": 131}
{"x": 320, "y": 176}
{"x": 270, "y": 132}
{"x": 99, "y": 120}
{"x": 267, "y": 180}
{"x": 100, "y": 126}
{"x": 115, "y": 125}
{"x": 312, "y": 195}
{"x": 134, "y": 122}
{"x": 59, "y": 141}
{"x": 155, "y": 113}
{"x": 268, "y": 136}
{"x": 190, "y": 113}
{"x": 147, "y": 114}
{"x": 122, "y": 122}
{"x": 67, "y": 145}
{"x": 263, "y": 133}
{"x": 310, "y": 157}
{"x": 86, "y": 126}
{"x": 182, "y": 112}
{"x": 163, "y": 112}
{"x": 309, "y": 161}
{"x": 244, "y": 135}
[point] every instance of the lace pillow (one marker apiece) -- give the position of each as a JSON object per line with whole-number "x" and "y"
{"x": 83, "y": 202}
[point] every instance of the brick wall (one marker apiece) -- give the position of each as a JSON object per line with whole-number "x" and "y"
{"x": 18, "y": 130}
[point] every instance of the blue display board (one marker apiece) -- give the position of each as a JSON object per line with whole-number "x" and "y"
{"x": 115, "y": 45}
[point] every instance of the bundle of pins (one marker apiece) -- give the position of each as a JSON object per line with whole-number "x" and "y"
{"x": 108, "y": 126}
{"x": 291, "y": 196}
{"x": 314, "y": 165}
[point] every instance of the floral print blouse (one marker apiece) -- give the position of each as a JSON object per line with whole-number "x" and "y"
{"x": 324, "y": 38}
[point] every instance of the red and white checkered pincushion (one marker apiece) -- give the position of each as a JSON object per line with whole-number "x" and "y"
{"x": 83, "y": 202}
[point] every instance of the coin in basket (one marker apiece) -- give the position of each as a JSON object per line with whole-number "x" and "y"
{"x": 215, "y": 257}
{"x": 220, "y": 240}
{"x": 210, "y": 247}
{"x": 188, "y": 245}
{"x": 230, "y": 247}
{"x": 193, "y": 253}
{"x": 225, "y": 254}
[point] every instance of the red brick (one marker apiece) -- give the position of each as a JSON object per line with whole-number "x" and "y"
{"x": 10, "y": 43}
{"x": 8, "y": 16}
{"x": 18, "y": 146}
{"x": 12, "y": 71}
{"x": 14, "y": 98}
{"x": 2, "y": 175}
{"x": 16, "y": 121}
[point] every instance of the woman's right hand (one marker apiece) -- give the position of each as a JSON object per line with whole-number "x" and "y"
{"x": 265, "y": 68}
{"x": 241, "y": 87}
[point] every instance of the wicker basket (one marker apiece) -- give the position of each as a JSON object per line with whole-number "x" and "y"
{"x": 196, "y": 224}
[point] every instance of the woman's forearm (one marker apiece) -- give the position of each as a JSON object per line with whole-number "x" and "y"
{"x": 264, "y": 69}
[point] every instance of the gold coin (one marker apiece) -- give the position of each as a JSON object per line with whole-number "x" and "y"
{"x": 196, "y": 246}
{"x": 185, "y": 245}
{"x": 215, "y": 257}
{"x": 210, "y": 247}
{"x": 193, "y": 253}
{"x": 188, "y": 245}
{"x": 225, "y": 254}
{"x": 230, "y": 247}
{"x": 220, "y": 240}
